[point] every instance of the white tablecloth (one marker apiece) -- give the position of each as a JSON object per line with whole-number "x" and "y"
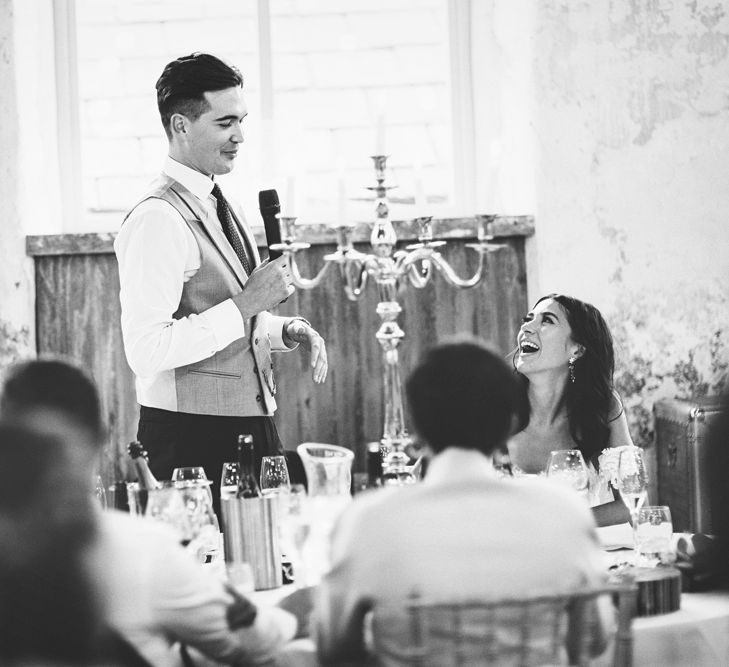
{"x": 697, "y": 635}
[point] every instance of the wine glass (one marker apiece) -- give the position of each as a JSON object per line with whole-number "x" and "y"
{"x": 568, "y": 467}
{"x": 188, "y": 474}
{"x": 229, "y": 479}
{"x": 632, "y": 483}
{"x": 274, "y": 475}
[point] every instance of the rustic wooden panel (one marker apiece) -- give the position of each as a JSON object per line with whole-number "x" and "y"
{"x": 78, "y": 316}
{"x": 348, "y": 410}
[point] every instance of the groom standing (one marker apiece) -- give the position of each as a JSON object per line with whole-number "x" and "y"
{"x": 194, "y": 294}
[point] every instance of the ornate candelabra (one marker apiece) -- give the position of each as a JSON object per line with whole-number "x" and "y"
{"x": 388, "y": 267}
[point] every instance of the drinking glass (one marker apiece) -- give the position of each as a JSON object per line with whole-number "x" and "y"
{"x": 632, "y": 483}
{"x": 229, "y": 479}
{"x": 274, "y": 475}
{"x": 167, "y": 504}
{"x": 189, "y": 473}
{"x": 568, "y": 467}
{"x": 653, "y": 532}
{"x": 100, "y": 491}
{"x": 204, "y": 526}
{"x": 295, "y": 523}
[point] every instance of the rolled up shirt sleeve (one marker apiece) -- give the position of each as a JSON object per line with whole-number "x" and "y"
{"x": 156, "y": 253}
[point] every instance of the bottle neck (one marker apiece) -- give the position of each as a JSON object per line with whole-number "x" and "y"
{"x": 146, "y": 479}
{"x": 247, "y": 482}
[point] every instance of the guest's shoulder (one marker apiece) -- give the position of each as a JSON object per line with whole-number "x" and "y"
{"x": 120, "y": 526}
{"x": 550, "y": 496}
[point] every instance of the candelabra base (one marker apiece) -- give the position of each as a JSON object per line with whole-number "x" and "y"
{"x": 395, "y": 468}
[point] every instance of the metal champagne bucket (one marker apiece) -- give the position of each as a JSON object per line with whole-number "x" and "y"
{"x": 250, "y": 535}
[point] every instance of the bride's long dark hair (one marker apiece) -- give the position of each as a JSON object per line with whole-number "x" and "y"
{"x": 590, "y": 399}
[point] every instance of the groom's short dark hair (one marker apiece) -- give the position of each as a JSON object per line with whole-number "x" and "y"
{"x": 183, "y": 83}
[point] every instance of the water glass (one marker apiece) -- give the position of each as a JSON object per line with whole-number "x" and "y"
{"x": 653, "y": 532}
{"x": 167, "y": 504}
{"x": 199, "y": 503}
{"x": 229, "y": 479}
{"x": 136, "y": 498}
{"x": 295, "y": 522}
{"x": 100, "y": 492}
{"x": 274, "y": 475}
{"x": 568, "y": 467}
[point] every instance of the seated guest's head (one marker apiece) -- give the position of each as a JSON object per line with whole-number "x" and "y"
{"x": 463, "y": 395}
{"x": 48, "y": 610}
{"x": 54, "y": 396}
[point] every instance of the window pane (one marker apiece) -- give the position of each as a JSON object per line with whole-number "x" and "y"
{"x": 336, "y": 67}
{"x": 123, "y": 45}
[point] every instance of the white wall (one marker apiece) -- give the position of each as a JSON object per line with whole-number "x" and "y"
{"x": 28, "y": 166}
{"x": 629, "y": 109}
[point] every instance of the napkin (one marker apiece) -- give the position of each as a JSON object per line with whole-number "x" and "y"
{"x": 619, "y": 536}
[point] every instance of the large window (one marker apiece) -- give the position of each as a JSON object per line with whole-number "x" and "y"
{"x": 326, "y": 82}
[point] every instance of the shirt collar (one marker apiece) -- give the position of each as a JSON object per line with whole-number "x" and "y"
{"x": 199, "y": 184}
{"x": 456, "y": 464}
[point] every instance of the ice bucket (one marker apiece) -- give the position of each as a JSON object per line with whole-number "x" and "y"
{"x": 250, "y": 535}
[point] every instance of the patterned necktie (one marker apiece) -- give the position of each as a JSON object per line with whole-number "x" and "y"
{"x": 231, "y": 233}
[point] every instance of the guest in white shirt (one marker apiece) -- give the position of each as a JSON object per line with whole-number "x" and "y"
{"x": 461, "y": 534}
{"x": 194, "y": 295}
{"x": 158, "y": 597}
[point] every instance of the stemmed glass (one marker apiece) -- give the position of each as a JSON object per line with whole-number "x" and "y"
{"x": 188, "y": 474}
{"x": 274, "y": 475}
{"x": 632, "y": 483}
{"x": 568, "y": 467}
{"x": 229, "y": 477}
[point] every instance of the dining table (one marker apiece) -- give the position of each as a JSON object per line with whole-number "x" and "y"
{"x": 695, "y": 635}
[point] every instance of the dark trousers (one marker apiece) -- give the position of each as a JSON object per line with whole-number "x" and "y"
{"x": 178, "y": 439}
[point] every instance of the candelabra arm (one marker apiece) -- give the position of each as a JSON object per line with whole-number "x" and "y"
{"x": 450, "y": 275}
{"x": 354, "y": 278}
{"x": 419, "y": 276}
{"x": 416, "y": 264}
{"x": 301, "y": 282}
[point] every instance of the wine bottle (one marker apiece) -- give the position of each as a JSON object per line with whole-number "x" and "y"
{"x": 374, "y": 465}
{"x": 141, "y": 464}
{"x": 247, "y": 483}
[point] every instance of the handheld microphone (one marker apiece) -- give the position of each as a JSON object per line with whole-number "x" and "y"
{"x": 270, "y": 208}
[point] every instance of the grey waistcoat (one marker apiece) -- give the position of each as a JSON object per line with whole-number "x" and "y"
{"x": 238, "y": 380}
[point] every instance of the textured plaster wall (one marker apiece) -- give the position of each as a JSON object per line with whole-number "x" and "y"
{"x": 16, "y": 270}
{"x": 631, "y": 117}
